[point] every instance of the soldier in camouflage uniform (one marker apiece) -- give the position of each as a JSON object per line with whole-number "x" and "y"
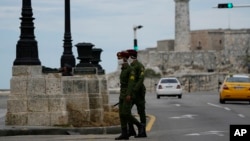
{"x": 139, "y": 90}
{"x": 125, "y": 100}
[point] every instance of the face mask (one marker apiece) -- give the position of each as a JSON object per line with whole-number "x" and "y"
{"x": 120, "y": 62}
{"x": 130, "y": 60}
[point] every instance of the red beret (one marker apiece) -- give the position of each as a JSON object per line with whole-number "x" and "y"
{"x": 132, "y": 53}
{"x": 124, "y": 54}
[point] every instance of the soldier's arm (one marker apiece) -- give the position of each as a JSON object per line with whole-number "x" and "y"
{"x": 131, "y": 83}
{"x": 140, "y": 81}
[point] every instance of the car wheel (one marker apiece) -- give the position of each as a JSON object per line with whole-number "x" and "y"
{"x": 158, "y": 97}
{"x": 222, "y": 101}
{"x": 179, "y": 96}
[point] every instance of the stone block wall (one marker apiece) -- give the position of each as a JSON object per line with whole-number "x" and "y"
{"x": 74, "y": 90}
{"x": 170, "y": 63}
{"x": 165, "y": 45}
{"x": 104, "y": 92}
{"x": 199, "y": 81}
{"x": 30, "y": 103}
{"x": 38, "y": 99}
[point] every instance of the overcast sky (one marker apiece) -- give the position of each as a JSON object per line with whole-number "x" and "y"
{"x": 108, "y": 24}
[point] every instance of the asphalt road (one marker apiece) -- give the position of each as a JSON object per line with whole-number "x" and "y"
{"x": 196, "y": 117}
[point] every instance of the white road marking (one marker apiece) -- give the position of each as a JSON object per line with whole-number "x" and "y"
{"x": 218, "y": 133}
{"x": 215, "y": 105}
{"x": 184, "y": 116}
{"x": 178, "y": 105}
{"x": 193, "y": 134}
{"x": 241, "y": 115}
{"x": 226, "y": 108}
{"x": 218, "y": 106}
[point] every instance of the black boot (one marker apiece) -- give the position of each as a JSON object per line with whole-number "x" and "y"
{"x": 131, "y": 130}
{"x": 124, "y": 135}
{"x": 142, "y": 131}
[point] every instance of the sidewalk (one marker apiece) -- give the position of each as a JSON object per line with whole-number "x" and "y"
{"x": 107, "y": 137}
{"x": 42, "y": 130}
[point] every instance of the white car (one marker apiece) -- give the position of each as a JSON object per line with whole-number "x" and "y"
{"x": 169, "y": 86}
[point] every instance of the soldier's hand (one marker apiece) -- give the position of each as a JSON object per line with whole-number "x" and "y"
{"x": 128, "y": 98}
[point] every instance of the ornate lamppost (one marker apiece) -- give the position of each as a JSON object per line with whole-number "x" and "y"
{"x": 67, "y": 57}
{"x": 26, "y": 48}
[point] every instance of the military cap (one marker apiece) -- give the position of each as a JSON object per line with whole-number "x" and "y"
{"x": 124, "y": 54}
{"x": 132, "y": 53}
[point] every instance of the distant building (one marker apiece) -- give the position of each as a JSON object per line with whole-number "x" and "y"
{"x": 212, "y": 39}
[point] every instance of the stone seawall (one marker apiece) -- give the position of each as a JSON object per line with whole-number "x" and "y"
{"x": 38, "y": 99}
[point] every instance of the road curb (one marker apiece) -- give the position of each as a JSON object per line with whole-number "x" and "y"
{"x": 41, "y": 130}
{"x": 14, "y": 131}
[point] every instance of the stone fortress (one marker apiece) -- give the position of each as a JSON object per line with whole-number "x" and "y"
{"x": 211, "y": 50}
{"x": 198, "y": 58}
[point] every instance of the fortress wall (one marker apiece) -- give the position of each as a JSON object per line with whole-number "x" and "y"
{"x": 226, "y": 51}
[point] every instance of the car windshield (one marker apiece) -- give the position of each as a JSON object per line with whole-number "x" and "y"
{"x": 169, "y": 81}
{"x": 238, "y": 79}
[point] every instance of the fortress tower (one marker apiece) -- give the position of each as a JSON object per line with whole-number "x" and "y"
{"x": 182, "y": 26}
